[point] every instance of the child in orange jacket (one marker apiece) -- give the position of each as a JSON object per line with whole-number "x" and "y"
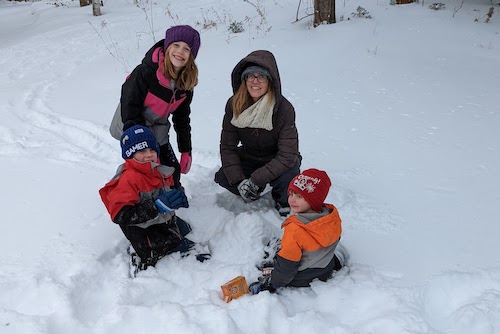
{"x": 310, "y": 237}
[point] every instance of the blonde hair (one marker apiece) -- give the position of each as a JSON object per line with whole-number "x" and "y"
{"x": 242, "y": 99}
{"x": 187, "y": 78}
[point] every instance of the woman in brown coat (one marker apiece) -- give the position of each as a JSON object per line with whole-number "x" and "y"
{"x": 259, "y": 139}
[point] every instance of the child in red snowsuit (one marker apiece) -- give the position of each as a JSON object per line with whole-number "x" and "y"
{"x": 141, "y": 201}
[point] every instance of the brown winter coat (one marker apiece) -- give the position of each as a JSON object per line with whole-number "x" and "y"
{"x": 272, "y": 152}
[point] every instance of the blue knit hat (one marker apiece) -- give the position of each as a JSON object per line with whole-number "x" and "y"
{"x": 137, "y": 138}
{"x": 183, "y": 33}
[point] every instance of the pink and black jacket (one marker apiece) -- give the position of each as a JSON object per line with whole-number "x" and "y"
{"x": 148, "y": 98}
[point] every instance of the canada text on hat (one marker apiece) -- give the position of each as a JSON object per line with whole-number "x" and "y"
{"x": 306, "y": 183}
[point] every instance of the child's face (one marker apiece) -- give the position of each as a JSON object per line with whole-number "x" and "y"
{"x": 178, "y": 52}
{"x": 146, "y": 155}
{"x": 298, "y": 204}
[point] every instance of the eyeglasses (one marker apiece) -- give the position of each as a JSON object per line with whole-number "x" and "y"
{"x": 260, "y": 78}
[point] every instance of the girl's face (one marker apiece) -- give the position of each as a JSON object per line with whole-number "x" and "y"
{"x": 298, "y": 204}
{"x": 257, "y": 85}
{"x": 146, "y": 155}
{"x": 178, "y": 53}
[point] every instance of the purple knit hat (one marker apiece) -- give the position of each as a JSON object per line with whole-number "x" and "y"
{"x": 183, "y": 33}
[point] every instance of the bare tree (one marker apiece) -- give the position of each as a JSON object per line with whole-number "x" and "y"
{"x": 96, "y": 7}
{"x": 458, "y": 8}
{"x": 307, "y": 12}
{"x": 324, "y": 11}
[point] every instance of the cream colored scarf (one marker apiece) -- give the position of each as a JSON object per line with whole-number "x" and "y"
{"x": 259, "y": 115}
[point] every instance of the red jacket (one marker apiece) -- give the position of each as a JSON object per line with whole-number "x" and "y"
{"x": 133, "y": 183}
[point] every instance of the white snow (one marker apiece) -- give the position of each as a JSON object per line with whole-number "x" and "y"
{"x": 402, "y": 110}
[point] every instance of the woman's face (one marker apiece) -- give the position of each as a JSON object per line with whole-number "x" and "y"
{"x": 257, "y": 85}
{"x": 178, "y": 53}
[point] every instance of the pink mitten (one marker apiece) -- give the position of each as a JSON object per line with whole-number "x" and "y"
{"x": 186, "y": 161}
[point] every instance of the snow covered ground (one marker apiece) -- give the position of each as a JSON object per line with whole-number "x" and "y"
{"x": 402, "y": 110}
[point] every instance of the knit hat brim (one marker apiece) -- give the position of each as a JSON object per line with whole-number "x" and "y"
{"x": 255, "y": 69}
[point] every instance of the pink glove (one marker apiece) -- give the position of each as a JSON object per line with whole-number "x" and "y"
{"x": 186, "y": 161}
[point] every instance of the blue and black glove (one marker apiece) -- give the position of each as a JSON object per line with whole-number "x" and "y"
{"x": 263, "y": 284}
{"x": 171, "y": 200}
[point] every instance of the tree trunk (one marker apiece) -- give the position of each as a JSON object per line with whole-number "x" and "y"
{"x": 96, "y": 7}
{"x": 84, "y": 3}
{"x": 324, "y": 11}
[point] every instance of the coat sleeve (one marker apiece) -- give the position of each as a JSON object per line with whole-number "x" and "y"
{"x": 136, "y": 214}
{"x": 133, "y": 94}
{"x": 117, "y": 194}
{"x": 287, "y": 261}
{"x": 182, "y": 125}
{"x": 288, "y": 147}
{"x": 231, "y": 163}
{"x": 284, "y": 271}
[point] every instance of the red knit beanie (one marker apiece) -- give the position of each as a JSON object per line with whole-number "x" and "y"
{"x": 313, "y": 185}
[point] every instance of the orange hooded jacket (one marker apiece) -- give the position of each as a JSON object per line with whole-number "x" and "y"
{"x": 307, "y": 249}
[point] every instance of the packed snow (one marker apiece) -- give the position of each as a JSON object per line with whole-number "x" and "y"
{"x": 401, "y": 110}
